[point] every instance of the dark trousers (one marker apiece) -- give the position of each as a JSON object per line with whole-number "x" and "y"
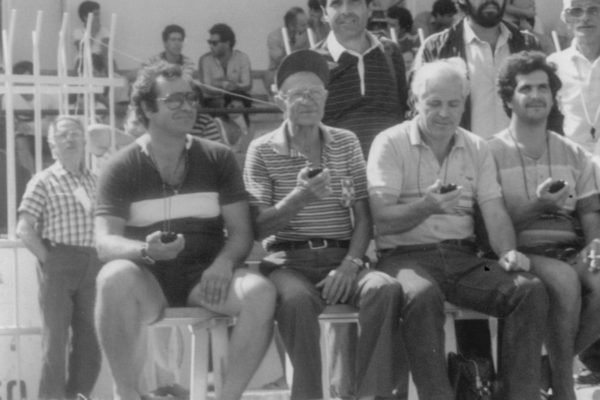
{"x": 374, "y": 369}
{"x": 432, "y": 274}
{"x": 67, "y": 294}
{"x": 590, "y": 357}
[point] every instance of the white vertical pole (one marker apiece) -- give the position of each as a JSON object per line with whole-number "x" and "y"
{"x": 11, "y": 181}
{"x": 37, "y": 93}
{"x": 311, "y": 37}
{"x": 393, "y": 34}
{"x": 286, "y": 40}
{"x": 556, "y": 41}
{"x": 111, "y": 89}
{"x": 88, "y": 72}
{"x": 63, "y": 104}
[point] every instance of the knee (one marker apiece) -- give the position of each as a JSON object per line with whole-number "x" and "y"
{"x": 260, "y": 295}
{"x": 116, "y": 279}
{"x": 382, "y": 290}
{"x": 427, "y": 298}
{"x": 531, "y": 292}
{"x": 565, "y": 293}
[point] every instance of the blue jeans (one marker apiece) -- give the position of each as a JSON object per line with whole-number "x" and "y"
{"x": 67, "y": 295}
{"x": 378, "y": 297}
{"x": 432, "y": 274}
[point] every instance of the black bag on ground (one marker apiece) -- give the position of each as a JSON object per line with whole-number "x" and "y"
{"x": 471, "y": 378}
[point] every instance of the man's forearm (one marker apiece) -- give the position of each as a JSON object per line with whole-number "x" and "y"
{"x": 274, "y": 219}
{"x": 115, "y": 247}
{"x": 401, "y": 218}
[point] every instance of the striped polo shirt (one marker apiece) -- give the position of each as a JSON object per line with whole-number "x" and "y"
{"x": 206, "y": 127}
{"x": 63, "y": 205}
{"x": 271, "y": 173}
{"x": 131, "y": 188}
{"x": 363, "y": 95}
{"x": 402, "y": 165}
{"x": 520, "y": 175}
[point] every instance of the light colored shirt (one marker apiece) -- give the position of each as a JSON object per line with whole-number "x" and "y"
{"x": 186, "y": 63}
{"x": 579, "y": 97}
{"x": 400, "y": 164}
{"x": 520, "y": 175}
{"x": 237, "y": 70}
{"x": 483, "y": 63}
{"x": 95, "y": 41}
{"x": 63, "y": 205}
{"x": 271, "y": 171}
{"x": 336, "y": 50}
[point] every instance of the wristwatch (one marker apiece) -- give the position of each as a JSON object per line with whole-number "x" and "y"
{"x": 145, "y": 256}
{"x": 357, "y": 261}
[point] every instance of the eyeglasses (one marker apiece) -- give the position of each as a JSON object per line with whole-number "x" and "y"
{"x": 315, "y": 93}
{"x": 577, "y": 12}
{"x": 213, "y": 42}
{"x": 175, "y": 100}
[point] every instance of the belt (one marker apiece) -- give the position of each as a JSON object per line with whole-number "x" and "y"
{"x": 460, "y": 243}
{"x": 312, "y": 244}
{"x": 430, "y": 246}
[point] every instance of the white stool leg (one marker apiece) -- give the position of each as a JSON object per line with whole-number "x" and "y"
{"x": 219, "y": 343}
{"x": 199, "y": 372}
{"x": 323, "y": 325}
{"x": 493, "y": 323}
{"x": 450, "y": 334}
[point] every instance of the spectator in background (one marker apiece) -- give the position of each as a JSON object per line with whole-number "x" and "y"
{"x": 367, "y": 90}
{"x": 173, "y": 37}
{"x": 401, "y": 20}
{"x": 521, "y": 13}
{"x": 442, "y": 16}
{"x": 579, "y": 71}
{"x": 224, "y": 68}
{"x": 56, "y": 223}
{"x": 316, "y": 22}
{"x": 295, "y": 22}
{"x": 99, "y": 35}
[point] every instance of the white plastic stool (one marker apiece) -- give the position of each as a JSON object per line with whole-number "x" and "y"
{"x": 335, "y": 314}
{"x": 202, "y": 323}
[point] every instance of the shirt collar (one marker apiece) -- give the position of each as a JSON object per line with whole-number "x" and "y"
{"x": 279, "y": 138}
{"x": 60, "y": 170}
{"x": 416, "y": 140}
{"x": 470, "y": 35}
{"x": 336, "y": 49}
{"x": 144, "y": 140}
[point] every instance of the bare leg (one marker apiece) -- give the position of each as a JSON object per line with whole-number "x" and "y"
{"x": 563, "y": 287}
{"x": 252, "y": 299}
{"x": 129, "y": 298}
{"x": 589, "y": 323}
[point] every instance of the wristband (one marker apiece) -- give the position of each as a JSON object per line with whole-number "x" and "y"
{"x": 145, "y": 256}
{"x": 355, "y": 260}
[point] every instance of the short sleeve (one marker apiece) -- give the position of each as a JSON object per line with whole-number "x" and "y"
{"x": 256, "y": 178}
{"x": 35, "y": 198}
{"x": 231, "y": 185}
{"x": 385, "y": 166}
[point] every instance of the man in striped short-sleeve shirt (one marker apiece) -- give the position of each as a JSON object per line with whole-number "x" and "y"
{"x": 306, "y": 181}
{"x": 56, "y": 225}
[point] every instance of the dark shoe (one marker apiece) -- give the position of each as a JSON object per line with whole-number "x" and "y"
{"x": 587, "y": 378}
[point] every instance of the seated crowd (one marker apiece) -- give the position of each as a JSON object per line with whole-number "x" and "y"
{"x": 481, "y": 195}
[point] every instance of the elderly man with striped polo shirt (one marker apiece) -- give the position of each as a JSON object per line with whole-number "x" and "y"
{"x": 308, "y": 194}
{"x": 56, "y": 225}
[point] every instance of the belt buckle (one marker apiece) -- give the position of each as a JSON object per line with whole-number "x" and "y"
{"x": 317, "y": 247}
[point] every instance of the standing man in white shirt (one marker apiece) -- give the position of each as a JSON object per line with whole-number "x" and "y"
{"x": 579, "y": 70}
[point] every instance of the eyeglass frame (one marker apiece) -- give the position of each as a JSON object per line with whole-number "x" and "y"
{"x": 584, "y": 11}
{"x": 185, "y": 96}
{"x": 305, "y": 93}
{"x": 213, "y": 43}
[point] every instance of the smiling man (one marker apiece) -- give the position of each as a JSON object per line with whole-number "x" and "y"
{"x": 164, "y": 204}
{"x": 173, "y": 37}
{"x": 367, "y": 89}
{"x": 425, "y": 177}
{"x": 533, "y": 163}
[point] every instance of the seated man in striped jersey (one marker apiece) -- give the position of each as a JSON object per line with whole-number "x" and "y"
{"x": 308, "y": 198}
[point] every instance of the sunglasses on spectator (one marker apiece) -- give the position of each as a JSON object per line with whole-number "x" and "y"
{"x": 577, "y": 12}
{"x": 213, "y": 42}
{"x": 175, "y": 100}
{"x": 315, "y": 93}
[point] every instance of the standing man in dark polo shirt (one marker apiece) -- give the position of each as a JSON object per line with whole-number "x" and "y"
{"x": 367, "y": 87}
{"x": 56, "y": 224}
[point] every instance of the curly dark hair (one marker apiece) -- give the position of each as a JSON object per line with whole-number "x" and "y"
{"x": 173, "y": 28}
{"x": 402, "y": 15}
{"x": 87, "y": 7}
{"x": 144, "y": 88}
{"x": 225, "y": 33}
{"x": 523, "y": 63}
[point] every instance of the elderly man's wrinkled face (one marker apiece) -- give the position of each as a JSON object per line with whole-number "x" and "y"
{"x": 441, "y": 106}
{"x": 487, "y": 13}
{"x": 583, "y": 18}
{"x": 303, "y": 97}
{"x": 69, "y": 140}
